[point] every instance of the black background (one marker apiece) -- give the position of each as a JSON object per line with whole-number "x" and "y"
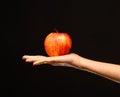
{"x": 94, "y": 27}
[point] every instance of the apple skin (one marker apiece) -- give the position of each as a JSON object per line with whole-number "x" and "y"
{"x": 57, "y": 43}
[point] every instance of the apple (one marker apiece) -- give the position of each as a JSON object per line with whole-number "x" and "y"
{"x": 57, "y": 43}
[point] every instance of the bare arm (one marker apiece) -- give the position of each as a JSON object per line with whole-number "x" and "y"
{"x": 107, "y": 70}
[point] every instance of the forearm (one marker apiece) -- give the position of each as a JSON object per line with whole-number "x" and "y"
{"x": 108, "y": 70}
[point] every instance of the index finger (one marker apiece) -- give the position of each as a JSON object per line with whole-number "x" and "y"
{"x": 25, "y": 56}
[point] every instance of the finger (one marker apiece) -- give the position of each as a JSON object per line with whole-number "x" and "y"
{"x": 25, "y": 56}
{"x": 33, "y": 57}
{"x": 30, "y": 60}
{"x": 37, "y": 63}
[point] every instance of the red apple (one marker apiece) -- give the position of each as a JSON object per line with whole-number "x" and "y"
{"x": 57, "y": 43}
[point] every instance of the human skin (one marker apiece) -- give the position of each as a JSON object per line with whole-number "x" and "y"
{"x": 108, "y": 70}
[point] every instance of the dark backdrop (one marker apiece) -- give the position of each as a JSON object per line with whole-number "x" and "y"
{"x": 94, "y": 27}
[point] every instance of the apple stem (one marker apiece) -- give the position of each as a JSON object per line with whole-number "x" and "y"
{"x": 56, "y": 30}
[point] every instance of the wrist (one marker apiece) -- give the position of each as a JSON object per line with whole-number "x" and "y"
{"x": 79, "y": 61}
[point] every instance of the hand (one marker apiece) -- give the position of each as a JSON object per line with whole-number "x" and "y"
{"x": 64, "y": 60}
